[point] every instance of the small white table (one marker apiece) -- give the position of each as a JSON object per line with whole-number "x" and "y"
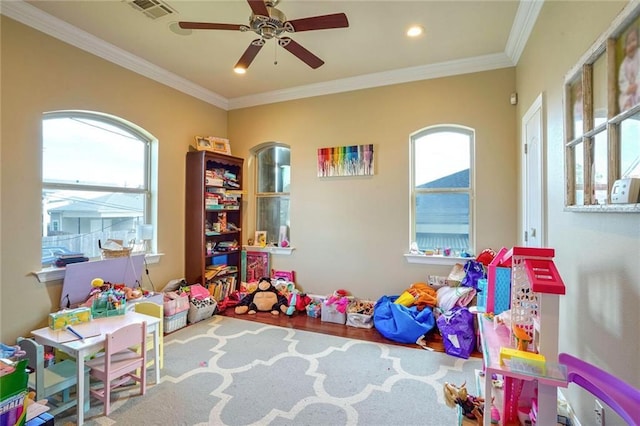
{"x": 79, "y": 349}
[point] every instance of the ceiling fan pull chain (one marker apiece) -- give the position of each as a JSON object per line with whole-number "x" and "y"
{"x": 275, "y": 53}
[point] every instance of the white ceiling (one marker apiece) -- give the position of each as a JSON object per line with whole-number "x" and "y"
{"x": 460, "y": 37}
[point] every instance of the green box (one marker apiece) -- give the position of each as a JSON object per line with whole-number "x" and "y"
{"x": 13, "y": 391}
{"x": 103, "y": 307}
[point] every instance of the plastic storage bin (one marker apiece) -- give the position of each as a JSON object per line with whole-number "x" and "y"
{"x": 359, "y": 320}
{"x": 175, "y": 322}
{"x": 329, "y": 313}
{"x": 201, "y": 309}
{"x": 175, "y": 303}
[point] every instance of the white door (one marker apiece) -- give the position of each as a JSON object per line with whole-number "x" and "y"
{"x": 533, "y": 204}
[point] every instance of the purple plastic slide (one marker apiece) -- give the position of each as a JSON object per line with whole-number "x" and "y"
{"x": 620, "y": 396}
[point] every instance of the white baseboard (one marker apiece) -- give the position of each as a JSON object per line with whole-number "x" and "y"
{"x": 570, "y": 413}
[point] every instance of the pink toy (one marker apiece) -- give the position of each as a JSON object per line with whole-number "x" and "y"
{"x": 619, "y": 395}
{"x": 340, "y": 301}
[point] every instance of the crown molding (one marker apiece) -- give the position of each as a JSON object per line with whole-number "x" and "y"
{"x": 41, "y": 21}
{"x": 523, "y": 23}
{"x": 367, "y": 81}
{"x": 526, "y": 16}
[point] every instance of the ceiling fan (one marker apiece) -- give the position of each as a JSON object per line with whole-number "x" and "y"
{"x": 269, "y": 22}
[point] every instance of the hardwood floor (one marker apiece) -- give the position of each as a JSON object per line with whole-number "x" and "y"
{"x": 307, "y": 323}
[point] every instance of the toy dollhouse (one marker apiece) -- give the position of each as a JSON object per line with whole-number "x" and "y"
{"x": 534, "y": 305}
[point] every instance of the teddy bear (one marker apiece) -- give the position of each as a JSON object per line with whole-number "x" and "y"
{"x": 264, "y": 299}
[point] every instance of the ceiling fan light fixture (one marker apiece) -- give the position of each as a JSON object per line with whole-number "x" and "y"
{"x": 270, "y": 23}
{"x": 415, "y": 31}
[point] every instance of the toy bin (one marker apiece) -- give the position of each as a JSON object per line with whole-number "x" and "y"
{"x": 175, "y": 322}
{"x": 102, "y": 307}
{"x": 201, "y": 309}
{"x": 360, "y": 313}
{"x": 175, "y": 302}
{"x": 314, "y": 307}
{"x": 360, "y": 320}
{"x": 329, "y": 313}
{"x": 13, "y": 391}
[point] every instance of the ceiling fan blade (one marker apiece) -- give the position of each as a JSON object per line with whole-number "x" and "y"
{"x": 258, "y": 7}
{"x": 250, "y": 53}
{"x": 303, "y": 54}
{"x": 209, "y": 26}
{"x": 323, "y": 22}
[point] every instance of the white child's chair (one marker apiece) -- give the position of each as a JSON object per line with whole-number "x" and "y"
{"x": 47, "y": 382}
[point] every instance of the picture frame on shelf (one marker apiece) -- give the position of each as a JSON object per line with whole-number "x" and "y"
{"x": 203, "y": 143}
{"x": 260, "y": 238}
{"x": 213, "y": 144}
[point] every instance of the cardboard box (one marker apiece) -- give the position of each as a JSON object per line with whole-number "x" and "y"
{"x": 59, "y": 320}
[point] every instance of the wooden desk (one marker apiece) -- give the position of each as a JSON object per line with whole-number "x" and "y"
{"x": 79, "y": 349}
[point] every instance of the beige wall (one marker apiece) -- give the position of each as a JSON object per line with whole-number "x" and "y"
{"x": 41, "y": 74}
{"x": 352, "y": 232}
{"x": 596, "y": 253}
{"x": 348, "y": 232}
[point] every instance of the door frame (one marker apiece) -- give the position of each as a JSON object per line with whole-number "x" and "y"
{"x": 535, "y": 108}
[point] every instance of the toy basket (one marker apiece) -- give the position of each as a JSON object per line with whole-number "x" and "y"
{"x": 109, "y": 254}
{"x": 108, "y": 304}
{"x": 175, "y": 322}
{"x": 100, "y": 309}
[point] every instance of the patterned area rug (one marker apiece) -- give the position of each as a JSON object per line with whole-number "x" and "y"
{"x": 226, "y": 371}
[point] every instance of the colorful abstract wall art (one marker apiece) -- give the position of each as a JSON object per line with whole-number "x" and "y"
{"x": 353, "y": 160}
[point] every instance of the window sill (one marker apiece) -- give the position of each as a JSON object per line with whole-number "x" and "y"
{"x": 605, "y": 208}
{"x": 53, "y": 274}
{"x": 435, "y": 259}
{"x": 273, "y": 250}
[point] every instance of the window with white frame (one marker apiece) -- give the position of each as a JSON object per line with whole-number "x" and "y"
{"x": 95, "y": 183}
{"x": 442, "y": 189}
{"x": 602, "y": 119}
{"x": 273, "y": 177}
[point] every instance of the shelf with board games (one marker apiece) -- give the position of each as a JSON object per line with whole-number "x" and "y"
{"x": 213, "y": 217}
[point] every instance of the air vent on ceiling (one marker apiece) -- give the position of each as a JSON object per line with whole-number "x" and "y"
{"x": 153, "y": 9}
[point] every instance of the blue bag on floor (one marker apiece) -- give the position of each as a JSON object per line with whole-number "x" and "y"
{"x": 400, "y": 323}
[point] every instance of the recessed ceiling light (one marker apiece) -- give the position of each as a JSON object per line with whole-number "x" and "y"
{"x": 415, "y": 31}
{"x": 240, "y": 70}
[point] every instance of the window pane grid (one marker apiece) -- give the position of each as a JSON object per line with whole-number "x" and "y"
{"x": 605, "y": 99}
{"x": 96, "y": 176}
{"x": 273, "y": 179}
{"x": 441, "y": 190}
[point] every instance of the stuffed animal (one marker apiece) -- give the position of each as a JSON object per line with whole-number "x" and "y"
{"x": 297, "y": 302}
{"x": 264, "y": 299}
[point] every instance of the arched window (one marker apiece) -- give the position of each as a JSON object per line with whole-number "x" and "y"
{"x": 96, "y": 173}
{"x": 273, "y": 177}
{"x": 442, "y": 189}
